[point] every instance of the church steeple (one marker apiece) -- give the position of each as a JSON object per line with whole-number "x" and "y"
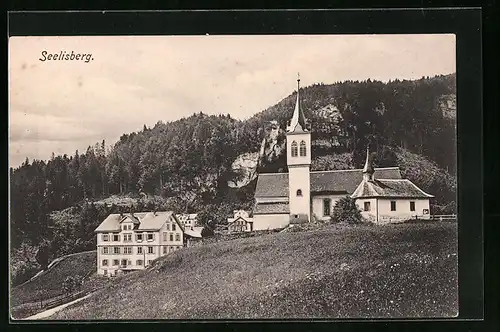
{"x": 368, "y": 169}
{"x": 298, "y": 121}
{"x": 298, "y": 159}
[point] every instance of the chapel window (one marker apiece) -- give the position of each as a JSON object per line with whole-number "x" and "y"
{"x": 326, "y": 206}
{"x": 294, "y": 149}
{"x": 303, "y": 149}
{"x": 299, "y": 192}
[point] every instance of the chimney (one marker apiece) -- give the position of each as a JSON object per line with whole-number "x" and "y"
{"x": 368, "y": 169}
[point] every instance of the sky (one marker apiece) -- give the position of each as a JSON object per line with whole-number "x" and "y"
{"x": 60, "y": 106}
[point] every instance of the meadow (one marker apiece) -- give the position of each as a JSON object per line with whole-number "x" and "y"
{"x": 333, "y": 271}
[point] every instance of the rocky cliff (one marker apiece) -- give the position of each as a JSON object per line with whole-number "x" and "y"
{"x": 271, "y": 148}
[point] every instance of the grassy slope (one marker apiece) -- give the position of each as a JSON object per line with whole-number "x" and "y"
{"x": 405, "y": 270}
{"x": 50, "y": 283}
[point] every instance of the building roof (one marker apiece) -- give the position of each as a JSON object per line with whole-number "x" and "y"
{"x": 402, "y": 188}
{"x": 154, "y": 221}
{"x": 194, "y": 232}
{"x": 144, "y": 221}
{"x": 245, "y": 219}
{"x": 341, "y": 181}
{"x": 368, "y": 163}
{"x": 134, "y": 217}
{"x": 272, "y": 185}
{"x": 298, "y": 121}
{"x": 271, "y": 208}
{"x": 111, "y": 223}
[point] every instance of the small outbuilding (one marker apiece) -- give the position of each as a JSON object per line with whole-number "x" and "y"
{"x": 240, "y": 222}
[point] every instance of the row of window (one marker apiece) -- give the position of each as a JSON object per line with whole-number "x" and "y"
{"x": 367, "y": 206}
{"x": 126, "y": 250}
{"x": 129, "y": 227}
{"x": 138, "y": 250}
{"x": 295, "y": 149}
{"x": 139, "y": 262}
{"x": 124, "y": 262}
{"x": 139, "y": 237}
{"x": 126, "y": 237}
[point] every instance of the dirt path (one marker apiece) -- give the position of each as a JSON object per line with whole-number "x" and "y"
{"x": 50, "y": 312}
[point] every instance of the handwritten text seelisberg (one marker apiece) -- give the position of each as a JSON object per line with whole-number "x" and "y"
{"x": 63, "y": 55}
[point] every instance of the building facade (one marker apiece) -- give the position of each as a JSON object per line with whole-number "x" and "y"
{"x": 240, "y": 222}
{"x": 390, "y": 200}
{"x": 128, "y": 242}
{"x": 188, "y": 220}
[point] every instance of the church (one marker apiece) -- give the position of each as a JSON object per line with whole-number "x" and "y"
{"x": 302, "y": 195}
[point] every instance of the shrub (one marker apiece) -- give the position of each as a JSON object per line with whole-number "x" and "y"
{"x": 23, "y": 264}
{"x": 346, "y": 211}
{"x": 78, "y": 282}
{"x": 207, "y": 232}
{"x": 42, "y": 255}
{"x": 68, "y": 285}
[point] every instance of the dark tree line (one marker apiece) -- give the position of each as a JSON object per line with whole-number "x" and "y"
{"x": 398, "y": 113}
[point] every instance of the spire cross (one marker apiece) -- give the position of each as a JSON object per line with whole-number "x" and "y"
{"x": 298, "y": 80}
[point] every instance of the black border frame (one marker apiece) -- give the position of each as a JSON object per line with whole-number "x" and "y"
{"x": 465, "y": 23}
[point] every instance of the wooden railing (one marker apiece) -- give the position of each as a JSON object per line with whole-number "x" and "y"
{"x": 444, "y": 217}
{"x": 62, "y": 300}
{"x": 68, "y": 298}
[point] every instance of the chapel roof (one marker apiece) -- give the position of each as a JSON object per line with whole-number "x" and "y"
{"x": 338, "y": 181}
{"x": 402, "y": 188}
{"x": 271, "y": 208}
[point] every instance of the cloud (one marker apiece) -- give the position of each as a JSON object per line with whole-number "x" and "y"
{"x": 62, "y": 106}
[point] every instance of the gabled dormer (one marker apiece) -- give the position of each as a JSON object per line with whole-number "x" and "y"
{"x": 129, "y": 222}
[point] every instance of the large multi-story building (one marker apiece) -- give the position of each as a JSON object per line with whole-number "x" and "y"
{"x": 131, "y": 241}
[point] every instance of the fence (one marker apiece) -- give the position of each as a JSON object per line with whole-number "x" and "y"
{"x": 59, "y": 300}
{"x": 444, "y": 217}
{"x": 62, "y": 300}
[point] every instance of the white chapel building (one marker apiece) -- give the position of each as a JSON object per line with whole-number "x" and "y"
{"x": 295, "y": 197}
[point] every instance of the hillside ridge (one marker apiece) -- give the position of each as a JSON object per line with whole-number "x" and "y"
{"x": 282, "y": 275}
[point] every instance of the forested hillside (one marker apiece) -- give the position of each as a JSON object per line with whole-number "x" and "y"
{"x": 187, "y": 164}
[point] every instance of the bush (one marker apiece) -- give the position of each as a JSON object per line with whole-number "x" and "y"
{"x": 207, "y": 232}
{"x": 69, "y": 285}
{"x": 346, "y": 211}
{"x": 42, "y": 255}
{"x": 24, "y": 274}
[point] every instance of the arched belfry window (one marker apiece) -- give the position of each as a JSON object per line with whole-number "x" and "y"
{"x": 299, "y": 192}
{"x": 303, "y": 149}
{"x": 294, "y": 149}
